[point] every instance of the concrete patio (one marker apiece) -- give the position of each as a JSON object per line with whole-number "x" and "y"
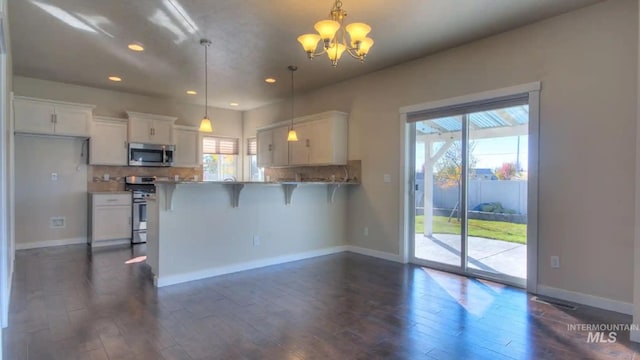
{"x": 484, "y": 254}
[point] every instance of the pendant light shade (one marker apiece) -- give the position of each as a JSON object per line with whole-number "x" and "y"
{"x": 205, "y": 123}
{"x": 292, "y": 135}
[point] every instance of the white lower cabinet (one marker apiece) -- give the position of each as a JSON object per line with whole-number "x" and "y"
{"x": 109, "y": 218}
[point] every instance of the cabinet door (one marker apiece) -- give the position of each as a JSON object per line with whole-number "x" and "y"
{"x": 265, "y": 148}
{"x": 111, "y": 222}
{"x": 161, "y": 133}
{"x": 33, "y": 117}
{"x": 140, "y": 130}
{"x": 280, "y": 146}
{"x": 72, "y": 121}
{"x": 188, "y": 152}
{"x": 320, "y": 142}
{"x": 299, "y": 151}
{"x": 108, "y": 143}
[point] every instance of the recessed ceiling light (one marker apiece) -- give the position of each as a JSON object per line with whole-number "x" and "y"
{"x": 192, "y": 92}
{"x": 135, "y": 47}
{"x": 234, "y": 104}
{"x": 115, "y": 78}
{"x": 270, "y": 80}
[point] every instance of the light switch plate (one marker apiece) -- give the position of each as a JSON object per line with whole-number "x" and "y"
{"x": 54, "y": 176}
{"x": 387, "y": 178}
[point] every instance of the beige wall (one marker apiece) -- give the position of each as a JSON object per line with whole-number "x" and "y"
{"x": 635, "y": 334}
{"x": 6, "y": 182}
{"x": 587, "y": 63}
{"x": 38, "y": 198}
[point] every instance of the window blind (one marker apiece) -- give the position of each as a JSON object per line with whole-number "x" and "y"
{"x": 220, "y": 146}
{"x": 467, "y": 108}
{"x": 252, "y": 146}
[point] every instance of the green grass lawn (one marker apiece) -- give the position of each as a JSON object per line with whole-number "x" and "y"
{"x": 499, "y": 230}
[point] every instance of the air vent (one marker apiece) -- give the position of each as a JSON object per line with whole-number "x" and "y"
{"x": 57, "y": 222}
{"x": 554, "y": 302}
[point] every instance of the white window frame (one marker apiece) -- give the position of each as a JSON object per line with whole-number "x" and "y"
{"x": 405, "y": 231}
{"x": 238, "y": 156}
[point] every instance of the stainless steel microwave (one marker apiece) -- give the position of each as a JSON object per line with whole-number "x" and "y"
{"x": 151, "y": 155}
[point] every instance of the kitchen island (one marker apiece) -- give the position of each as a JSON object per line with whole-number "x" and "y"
{"x": 202, "y": 229}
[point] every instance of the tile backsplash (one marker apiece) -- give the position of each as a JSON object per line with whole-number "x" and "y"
{"x": 350, "y": 172}
{"x": 96, "y": 175}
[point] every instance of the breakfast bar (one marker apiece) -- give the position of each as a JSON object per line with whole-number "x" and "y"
{"x": 203, "y": 229}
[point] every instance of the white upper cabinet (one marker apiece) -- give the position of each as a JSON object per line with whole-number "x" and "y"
{"x": 327, "y": 141}
{"x": 108, "y": 144}
{"x": 188, "y": 143}
{"x": 47, "y": 117}
{"x": 300, "y": 151}
{"x": 322, "y": 140}
{"x": 273, "y": 148}
{"x": 150, "y": 128}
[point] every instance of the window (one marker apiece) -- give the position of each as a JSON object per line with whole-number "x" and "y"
{"x": 256, "y": 173}
{"x": 219, "y": 158}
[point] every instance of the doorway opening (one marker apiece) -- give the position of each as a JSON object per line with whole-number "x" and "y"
{"x": 472, "y": 203}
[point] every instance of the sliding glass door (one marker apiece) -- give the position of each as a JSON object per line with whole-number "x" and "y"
{"x": 469, "y": 166}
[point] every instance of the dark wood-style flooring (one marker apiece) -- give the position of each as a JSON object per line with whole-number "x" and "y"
{"x": 69, "y": 303}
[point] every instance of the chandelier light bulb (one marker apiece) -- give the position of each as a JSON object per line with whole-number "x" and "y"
{"x": 357, "y": 32}
{"x": 309, "y": 42}
{"x": 335, "y": 52}
{"x": 327, "y": 29}
{"x": 364, "y": 46}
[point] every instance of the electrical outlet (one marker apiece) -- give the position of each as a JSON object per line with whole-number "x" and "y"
{"x": 54, "y": 176}
{"x": 555, "y": 261}
{"x": 256, "y": 240}
{"x": 57, "y": 222}
{"x": 365, "y": 231}
{"x": 387, "y": 178}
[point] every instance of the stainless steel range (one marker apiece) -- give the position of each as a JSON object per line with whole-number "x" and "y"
{"x": 142, "y": 188}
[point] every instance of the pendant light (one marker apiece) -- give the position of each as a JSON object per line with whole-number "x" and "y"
{"x": 292, "y": 136}
{"x": 205, "y": 123}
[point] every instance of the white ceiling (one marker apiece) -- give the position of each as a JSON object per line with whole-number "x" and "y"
{"x": 84, "y": 41}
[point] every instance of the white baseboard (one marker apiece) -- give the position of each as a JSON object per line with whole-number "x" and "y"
{"x": 99, "y": 244}
{"x": 585, "y": 299}
{"x": 48, "y": 243}
{"x": 375, "y": 253}
{"x": 249, "y": 265}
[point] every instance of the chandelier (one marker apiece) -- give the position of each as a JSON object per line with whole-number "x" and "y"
{"x": 334, "y": 38}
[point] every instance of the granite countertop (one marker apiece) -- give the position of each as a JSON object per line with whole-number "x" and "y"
{"x": 110, "y": 192}
{"x": 261, "y": 182}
